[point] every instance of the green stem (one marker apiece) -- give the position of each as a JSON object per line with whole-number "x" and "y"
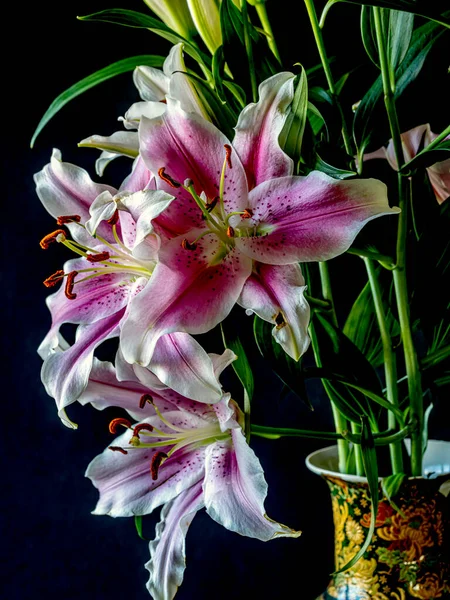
{"x": 327, "y": 292}
{"x": 356, "y": 429}
{"x": 385, "y": 260}
{"x": 317, "y": 303}
{"x": 275, "y": 433}
{"x": 264, "y": 18}
{"x": 249, "y": 50}
{"x": 399, "y": 273}
{"x": 390, "y": 365}
{"x": 326, "y": 67}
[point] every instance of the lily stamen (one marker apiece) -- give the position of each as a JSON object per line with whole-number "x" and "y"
{"x": 115, "y": 423}
{"x": 59, "y": 235}
{"x": 144, "y": 399}
{"x": 63, "y": 219}
{"x": 114, "y": 219}
{"x": 101, "y": 256}
{"x": 168, "y": 179}
{"x": 117, "y": 449}
{"x": 228, "y": 155}
{"x": 54, "y": 279}
{"x": 157, "y": 460}
{"x": 70, "y": 281}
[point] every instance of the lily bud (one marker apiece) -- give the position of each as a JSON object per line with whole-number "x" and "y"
{"x": 205, "y": 14}
{"x": 175, "y": 14}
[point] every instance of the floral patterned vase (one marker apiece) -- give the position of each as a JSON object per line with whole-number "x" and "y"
{"x": 409, "y": 555}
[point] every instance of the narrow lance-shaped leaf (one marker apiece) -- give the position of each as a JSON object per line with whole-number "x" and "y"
{"x": 390, "y": 487}
{"x": 291, "y": 135}
{"x": 369, "y": 458}
{"x": 121, "y": 66}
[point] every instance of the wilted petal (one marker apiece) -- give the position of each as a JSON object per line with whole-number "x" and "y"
{"x": 65, "y": 374}
{"x": 313, "y": 218}
{"x": 65, "y": 189}
{"x": 181, "y": 363}
{"x": 235, "y": 490}
{"x": 125, "y": 483}
{"x": 276, "y": 294}
{"x": 190, "y": 291}
{"x": 258, "y": 130}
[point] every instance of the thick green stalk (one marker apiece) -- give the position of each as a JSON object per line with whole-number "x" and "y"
{"x": 356, "y": 429}
{"x": 249, "y": 50}
{"x": 264, "y": 18}
{"x": 399, "y": 273}
{"x": 327, "y": 292}
{"x": 390, "y": 366}
{"x": 326, "y": 67}
{"x": 274, "y": 433}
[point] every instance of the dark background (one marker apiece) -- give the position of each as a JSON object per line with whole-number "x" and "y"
{"x": 52, "y": 545}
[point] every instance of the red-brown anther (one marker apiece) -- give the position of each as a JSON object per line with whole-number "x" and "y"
{"x": 247, "y": 214}
{"x": 186, "y": 245}
{"x": 119, "y": 421}
{"x": 157, "y": 459}
{"x": 51, "y": 237}
{"x": 117, "y": 449}
{"x": 93, "y": 258}
{"x": 168, "y": 179}
{"x": 279, "y": 321}
{"x": 114, "y": 219}
{"x": 68, "y": 219}
{"x": 140, "y": 427}
{"x": 144, "y": 399}
{"x": 54, "y": 279}
{"x": 70, "y": 282}
{"x": 228, "y": 155}
{"x": 230, "y": 231}
{"x": 211, "y": 205}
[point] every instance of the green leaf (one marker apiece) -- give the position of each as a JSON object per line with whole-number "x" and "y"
{"x": 361, "y": 326}
{"x": 218, "y": 65}
{"x": 122, "y": 66}
{"x": 288, "y": 370}
{"x": 370, "y": 109}
{"x": 399, "y": 32}
{"x": 316, "y": 119}
{"x": 291, "y": 135}
{"x": 390, "y": 487}
{"x": 368, "y": 35}
{"x": 427, "y": 157}
{"x": 321, "y": 165}
{"x": 369, "y": 458}
{"x": 241, "y": 365}
{"x": 436, "y": 10}
{"x": 138, "y": 525}
{"x": 131, "y": 18}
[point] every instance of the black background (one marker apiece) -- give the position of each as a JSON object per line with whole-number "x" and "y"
{"x": 52, "y": 545}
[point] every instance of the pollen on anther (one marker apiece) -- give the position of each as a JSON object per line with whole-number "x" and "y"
{"x": 70, "y": 282}
{"x": 279, "y": 320}
{"x": 230, "y": 231}
{"x": 186, "y": 245}
{"x": 142, "y": 427}
{"x": 117, "y": 449}
{"x": 115, "y": 423}
{"x": 62, "y": 220}
{"x": 247, "y": 214}
{"x": 93, "y": 258}
{"x": 54, "y": 279}
{"x": 167, "y": 178}
{"x": 228, "y": 155}
{"x": 144, "y": 399}
{"x": 157, "y": 459}
{"x": 52, "y": 237}
{"x": 114, "y": 219}
{"x": 211, "y": 205}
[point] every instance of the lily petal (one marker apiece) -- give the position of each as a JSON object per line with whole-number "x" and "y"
{"x": 65, "y": 374}
{"x": 276, "y": 294}
{"x": 189, "y": 291}
{"x": 235, "y": 490}
{"x": 121, "y": 142}
{"x": 152, "y": 84}
{"x": 439, "y": 175}
{"x": 258, "y": 130}
{"x": 125, "y": 483}
{"x": 312, "y": 218}
{"x": 167, "y": 551}
{"x": 181, "y": 363}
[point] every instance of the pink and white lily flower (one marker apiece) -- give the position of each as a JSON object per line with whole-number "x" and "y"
{"x": 413, "y": 141}
{"x": 240, "y": 224}
{"x": 110, "y": 269}
{"x": 184, "y": 455}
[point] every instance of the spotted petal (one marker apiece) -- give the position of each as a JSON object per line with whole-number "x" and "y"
{"x": 235, "y": 490}
{"x": 190, "y": 291}
{"x": 167, "y": 551}
{"x": 312, "y": 218}
{"x": 276, "y": 294}
{"x": 259, "y": 127}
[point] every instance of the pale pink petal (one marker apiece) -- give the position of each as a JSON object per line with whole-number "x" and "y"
{"x": 228, "y": 414}
{"x": 312, "y": 218}
{"x": 151, "y": 83}
{"x": 65, "y": 189}
{"x": 189, "y": 147}
{"x": 139, "y": 179}
{"x": 134, "y": 114}
{"x": 439, "y": 175}
{"x": 181, "y": 363}
{"x": 65, "y": 374}
{"x": 235, "y": 490}
{"x": 124, "y": 480}
{"x": 167, "y": 551}
{"x": 96, "y": 299}
{"x": 412, "y": 141}
{"x": 276, "y": 294}
{"x": 190, "y": 291}
{"x": 258, "y": 129}
{"x": 144, "y": 207}
{"x": 222, "y": 361}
